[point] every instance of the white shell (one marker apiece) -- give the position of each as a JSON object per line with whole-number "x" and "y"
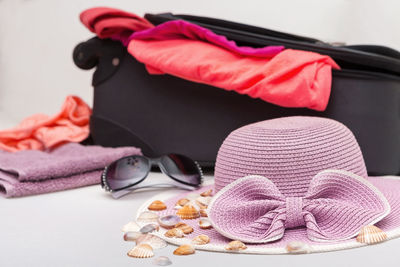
{"x": 154, "y": 241}
{"x": 162, "y": 261}
{"x": 169, "y": 221}
{"x": 370, "y": 234}
{"x": 205, "y": 224}
{"x": 131, "y": 227}
{"x": 297, "y": 247}
{"x": 141, "y": 251}
{"x": 147, "y": 217}
{"x": 148, "y": 228}
{"x": 132, "y": 236}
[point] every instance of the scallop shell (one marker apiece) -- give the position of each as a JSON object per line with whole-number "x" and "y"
{"x": 182, "y": 202}
{"x": 370, "y": 234}
{"x": 131, "y": 227}
{"x": 148, "y": 228}
{"x": 169, "y": 221}
{"x": 203, "y": 213}
{"x": 206, "y": 193}
{"x": 157, "y": 205}
{"x": 205, "y": 224}
{"x": 297, "y": 247}
{"x": 186, "y": 229}
{"x": 235, "y": 245}
{"x": 188, "y": 212}
{"x": 154, "y": 241}
{"x": 174, "y": 232}
{"x": 147, "y": 217}
{"x": 184, "y": 250}
{"x": 162, "y": 261}
{"x": 201, "y": 240}
{"x": 141, "y": 251}
{"x": 132, "y": 236}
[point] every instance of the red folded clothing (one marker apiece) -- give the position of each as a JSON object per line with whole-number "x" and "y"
{"x": 113, "y": 23}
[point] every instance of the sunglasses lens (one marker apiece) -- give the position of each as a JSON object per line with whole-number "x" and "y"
{"x": 182, "y": 168}
{"x": 126, "y": 172}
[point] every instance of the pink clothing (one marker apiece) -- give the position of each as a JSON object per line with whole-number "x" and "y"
{"x": 42, "y": 132}
{"x": 179, "y": 29}
{"x": 292, "y": 78}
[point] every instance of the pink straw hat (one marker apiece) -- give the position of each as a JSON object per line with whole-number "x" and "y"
{"x": 294, "y": 184}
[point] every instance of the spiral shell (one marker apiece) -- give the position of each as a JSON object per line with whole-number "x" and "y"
{"x": 203, "y": 213}
{"x": 174, "y": 232}
{"x": 235, "y": 245}
{"x": 182, "y": 202}
{"x": 141, "y": 251}
{"x": 184, "y": 250}
{"x": 186, "y": 229}
{"x": 370, "y": 234}
{"x": 201, "y": 240}
{"x": 206, "y": 193}
{"x": 188, "y": 212}
{"x": 157, "y": 205}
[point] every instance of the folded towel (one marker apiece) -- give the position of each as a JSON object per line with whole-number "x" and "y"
{"x": 72, "y": 165}
{"x": 42, "y": 132}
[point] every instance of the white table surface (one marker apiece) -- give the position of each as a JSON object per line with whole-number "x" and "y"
{"x": 82, "y": 227}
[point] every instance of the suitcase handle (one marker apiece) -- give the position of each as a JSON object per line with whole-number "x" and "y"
{"x": 104, "y": 54}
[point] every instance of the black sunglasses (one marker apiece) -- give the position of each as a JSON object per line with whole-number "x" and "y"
{"x": 129, "y": 173}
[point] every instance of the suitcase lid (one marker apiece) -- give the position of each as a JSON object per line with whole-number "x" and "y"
{"x": 358, "y": 57}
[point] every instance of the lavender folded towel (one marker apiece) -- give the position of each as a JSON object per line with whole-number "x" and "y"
{"x": 72, "y": 165}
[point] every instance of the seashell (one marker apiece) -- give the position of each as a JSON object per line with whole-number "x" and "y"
{"x": 174, "y": 232}
{"x": 148, "y": 228}
{"x": 201, "y": 240}
{"x": 177, "y": 207}
{"x": 147, "y": 217}
{"x": 132, "y": 236}
{"x": 206, "y": 193}
{"x": 203, "y": 202}
{"x": 131, "y": 227}
{"x": 370, "y": 234}
{"x": 203, "y": 213}
{"x": 169, "y": 221}
{"x": 184, "y": 250}
{"x": 188, "y": 212}
{"x": 141, "y": 251}
{"x": 186, "y": 229}
{"x": 235, "y": 245}
{"x": 154, "y": 241}
{"x": 162, "y": 261}
{"x": 157, "y": 205}
{"x": 297, "y": 247}
{"x": 182, "y": 202}
{"x": 205, "y": 224}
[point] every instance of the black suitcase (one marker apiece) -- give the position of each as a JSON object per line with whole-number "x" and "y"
{"x": 163, "y": 114}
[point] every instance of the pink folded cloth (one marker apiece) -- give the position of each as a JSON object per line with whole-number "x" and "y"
{"x": 179, "y": 29}
{"x": 32, "y": 172}
{"x": 42, "y": 132}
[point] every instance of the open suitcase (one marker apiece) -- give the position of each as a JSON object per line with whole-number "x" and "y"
{"x": 163, "y": 114}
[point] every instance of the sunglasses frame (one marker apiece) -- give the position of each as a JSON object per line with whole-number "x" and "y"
{"x": 152, "y": 162}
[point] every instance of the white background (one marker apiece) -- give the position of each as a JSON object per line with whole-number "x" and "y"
{"x": 82, "y": 227}
{"x": 37, "y": 38}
